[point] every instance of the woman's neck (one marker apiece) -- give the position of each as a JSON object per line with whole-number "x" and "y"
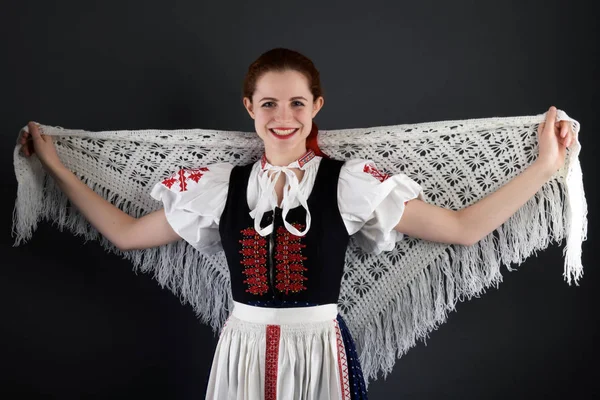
{"x": 282, "y": 159}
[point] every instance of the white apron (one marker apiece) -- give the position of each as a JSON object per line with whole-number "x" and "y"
{"x": 280, "y": 353}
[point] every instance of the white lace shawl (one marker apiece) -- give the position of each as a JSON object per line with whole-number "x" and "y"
{"x": 389, "y": 300}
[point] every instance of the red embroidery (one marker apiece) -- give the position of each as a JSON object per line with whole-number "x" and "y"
{"x": 263, "y": 161}
{"x": 289, "y": 258}
{"x": 254, "y": 259}
{"x": 342, "y": 363}
{"x": 169, "y": 182}
{"x": 182, "y": 180}
{"x": 372, "y": 169}
{"x": 183, "y": 176}
{"x": 196, "y": 173}
{"x": 271, "y": 361}
{"x": 306, "y": 158}
{"x": 309, "y": 155}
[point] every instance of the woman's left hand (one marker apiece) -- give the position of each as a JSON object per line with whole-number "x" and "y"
{"x": 553, "y": 139}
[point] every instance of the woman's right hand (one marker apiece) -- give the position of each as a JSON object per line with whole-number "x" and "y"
{"x": 42, "y": 145}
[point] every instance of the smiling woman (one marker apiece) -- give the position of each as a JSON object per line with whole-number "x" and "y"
{"x": 282, "y": 91}
{"x": 284, "y": 221}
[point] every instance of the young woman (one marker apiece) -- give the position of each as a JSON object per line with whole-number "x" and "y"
{"x": 284, "y": 222}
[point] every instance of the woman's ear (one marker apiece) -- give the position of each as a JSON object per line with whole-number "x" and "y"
{"x": 248, "y": 106}
{"x": 317, "y": 105}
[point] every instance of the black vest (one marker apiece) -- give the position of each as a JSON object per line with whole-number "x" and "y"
{"x": 281, "y": 269}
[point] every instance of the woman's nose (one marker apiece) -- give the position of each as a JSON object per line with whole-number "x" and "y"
{"x": 284, "y": 113}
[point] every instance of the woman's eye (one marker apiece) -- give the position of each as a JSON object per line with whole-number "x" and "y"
{"x": 270, "y": 104}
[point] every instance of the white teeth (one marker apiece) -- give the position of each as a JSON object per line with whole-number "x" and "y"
{"x": 284, "y": 132}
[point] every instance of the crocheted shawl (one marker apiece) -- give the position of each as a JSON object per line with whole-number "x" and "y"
{"x": 389, "y": 300}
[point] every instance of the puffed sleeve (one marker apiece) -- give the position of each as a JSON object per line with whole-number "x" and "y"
{"x": 193, "y": 200}
{"x": 371, "y": 203}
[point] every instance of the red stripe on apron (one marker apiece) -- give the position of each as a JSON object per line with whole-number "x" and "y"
{"x": 342, "y": 364}
{"x": 272, "y": 361}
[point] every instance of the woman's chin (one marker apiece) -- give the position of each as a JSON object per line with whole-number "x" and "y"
{"x": 285, "y": 146}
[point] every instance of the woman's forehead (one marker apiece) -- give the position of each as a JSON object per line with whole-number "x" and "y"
{"x": 285, "y": 83}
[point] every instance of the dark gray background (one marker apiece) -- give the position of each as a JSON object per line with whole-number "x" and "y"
{"x": 77, "y": 323}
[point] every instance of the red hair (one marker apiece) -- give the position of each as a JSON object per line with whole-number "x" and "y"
{"x": 281, "y": 59}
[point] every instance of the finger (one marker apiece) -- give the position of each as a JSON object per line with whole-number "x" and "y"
{"x": 569, "y": 139}
{"x": 564, "y": 128}
{"x": 551, "y": 116}
{"x": 541, "y": 127}
{"x": 25, "y": 150}
{"x": 34, "y": 131}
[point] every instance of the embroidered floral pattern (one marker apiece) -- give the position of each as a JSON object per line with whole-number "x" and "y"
{"x": 370, "y": 168}
{"x": 288, "y": 259}
{"x": 183, "y": 176}
{"x": 254, "y": 259}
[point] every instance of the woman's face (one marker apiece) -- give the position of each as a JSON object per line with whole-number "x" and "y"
{"x": 282, "y": 108}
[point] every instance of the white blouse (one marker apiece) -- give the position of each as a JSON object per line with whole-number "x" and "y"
{"x": 370, "y": 202}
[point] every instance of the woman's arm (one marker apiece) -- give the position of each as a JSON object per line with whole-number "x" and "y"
{"x": 473, "y": 223}
{"x": 121, "y": 229}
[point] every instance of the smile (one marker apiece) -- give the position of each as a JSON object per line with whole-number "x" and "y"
{"x": 284, "y": 133}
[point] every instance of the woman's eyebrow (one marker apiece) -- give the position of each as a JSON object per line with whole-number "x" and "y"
{"x": 274, "y": 99}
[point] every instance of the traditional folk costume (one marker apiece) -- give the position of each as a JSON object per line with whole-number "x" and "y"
{"x": 277, "y": 279}
{"x": 285, "y": 338}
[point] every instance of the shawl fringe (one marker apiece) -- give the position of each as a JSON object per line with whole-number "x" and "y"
{"x": 176, "y": 266}
{"x": 459, "y": 274}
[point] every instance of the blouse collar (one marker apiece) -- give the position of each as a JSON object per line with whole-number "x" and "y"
{"x": 299, "y": 163}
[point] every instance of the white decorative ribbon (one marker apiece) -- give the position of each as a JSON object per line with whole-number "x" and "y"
{"x": 268, "y": 201}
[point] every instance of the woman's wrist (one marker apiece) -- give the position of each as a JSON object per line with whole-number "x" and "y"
{"x": 546, "y": 168}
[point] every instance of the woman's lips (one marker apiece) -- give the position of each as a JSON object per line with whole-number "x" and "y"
{"x": 285, "y": 136}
